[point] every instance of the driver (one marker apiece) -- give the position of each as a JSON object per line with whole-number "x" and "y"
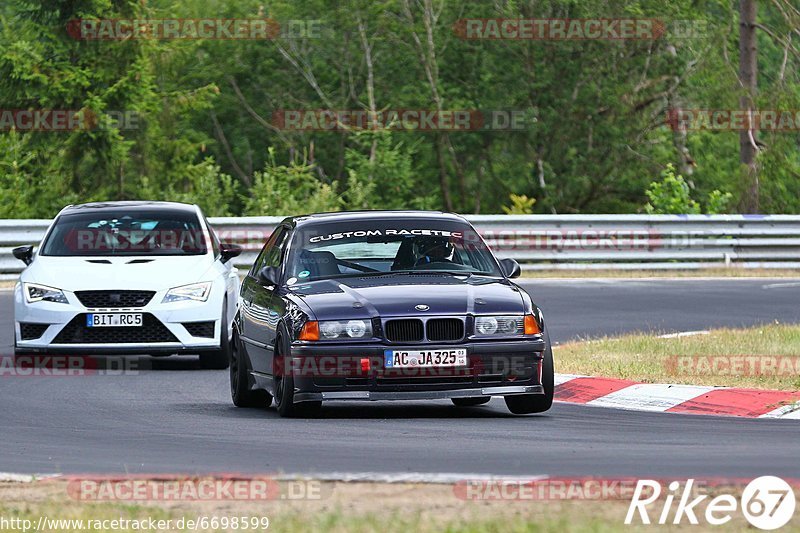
{"x": 435, "y": 250}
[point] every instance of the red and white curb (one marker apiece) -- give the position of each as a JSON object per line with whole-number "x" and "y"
{"x": 686, "y": 399}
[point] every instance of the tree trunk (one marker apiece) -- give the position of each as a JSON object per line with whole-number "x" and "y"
{"x": 748, "y": 71}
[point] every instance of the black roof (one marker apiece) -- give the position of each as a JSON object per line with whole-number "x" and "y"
{"x": 360, "y": 216}
{"x": 131, "y": 204}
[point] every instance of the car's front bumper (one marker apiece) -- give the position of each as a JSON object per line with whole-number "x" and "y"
{"x": 496, "y": 368}
{"x": 369, "y": 395}
{"x": 171, "y": 316}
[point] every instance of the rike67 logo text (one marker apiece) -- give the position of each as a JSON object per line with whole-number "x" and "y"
{"x": 767, "y": 503}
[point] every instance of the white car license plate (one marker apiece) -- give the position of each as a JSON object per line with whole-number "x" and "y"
{"x": 425, "y": 358}
{"x": 113, "y": 320}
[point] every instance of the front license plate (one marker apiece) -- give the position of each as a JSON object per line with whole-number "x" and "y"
{"x": 113, "y": 320}
{"x": 425, "y": 358}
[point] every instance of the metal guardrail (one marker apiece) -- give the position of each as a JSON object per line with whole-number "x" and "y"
{"x": 544, "y": 242}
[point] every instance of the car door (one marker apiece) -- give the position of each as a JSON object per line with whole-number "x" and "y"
{"x": 277, "y": 302}
{"x": 259, "y": 321}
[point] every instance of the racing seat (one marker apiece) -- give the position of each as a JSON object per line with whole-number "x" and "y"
{"x": 166, "y": 234}
{"x": 319, "y": 264}
{"x": 405, "y": 258}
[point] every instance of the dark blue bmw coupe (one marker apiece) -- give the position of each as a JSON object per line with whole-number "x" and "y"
{"x": 386, "y": 305}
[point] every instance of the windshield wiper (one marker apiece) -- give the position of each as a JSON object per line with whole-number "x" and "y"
{"x": 464, "y": 273}
{"x": 353, "y": 275}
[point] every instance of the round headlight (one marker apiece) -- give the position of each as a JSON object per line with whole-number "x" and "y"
{"x": 330, "y": 330}
{"x": 487, "y": 325}
{"x": 356, "y": 328}
{"x": 507, "y": 325}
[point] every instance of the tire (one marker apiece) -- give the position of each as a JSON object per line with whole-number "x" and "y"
{"x": 284, "y": 390}
{"x": 241, "y": 393}
{"x": 470, "y": 402}
{"x": 219, "y": 359}
{"x": 524, "y": 404}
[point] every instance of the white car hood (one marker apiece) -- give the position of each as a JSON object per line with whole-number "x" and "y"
{"x": 120, "y": 272}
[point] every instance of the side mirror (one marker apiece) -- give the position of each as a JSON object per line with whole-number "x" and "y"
{"x": 229, "y": 250}
{"x": 269, "y": 276}
{"x": 510, "y": 268}
{"x": 24, "y": 254}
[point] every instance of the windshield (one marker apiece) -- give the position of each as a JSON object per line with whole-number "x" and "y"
{"x": 126, "y": 232}
{"x": 386, "y": 246}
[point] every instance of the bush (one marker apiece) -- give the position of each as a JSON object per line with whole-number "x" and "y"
{"x": 520, "y": 205}
{"x": 718, "y": 202}
{"x": 670, "y": 196}
{"x": 290, "y": 190}
{"x": 388, "y": 181}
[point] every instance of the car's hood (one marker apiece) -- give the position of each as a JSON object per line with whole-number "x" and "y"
{"x": 105, "y": 273}
{"x": 400, "y": 296}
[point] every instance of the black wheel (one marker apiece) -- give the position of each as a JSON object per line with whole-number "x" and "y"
{"x": 284, "y": 389}
{"x": 241, "y": 392}
{"x": 524, "y": 404}
{"x": 470, "y": 402}
{"x": 219, "y": 359}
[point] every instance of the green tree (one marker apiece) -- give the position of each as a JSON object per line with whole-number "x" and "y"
{"x": 593, "y": 128}
{"x": 289, "y": 189}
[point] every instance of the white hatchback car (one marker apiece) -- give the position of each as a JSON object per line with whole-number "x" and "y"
{"x": 119, "y": 278}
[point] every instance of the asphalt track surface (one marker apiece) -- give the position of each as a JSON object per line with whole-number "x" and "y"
{"x": 179, "y": 419}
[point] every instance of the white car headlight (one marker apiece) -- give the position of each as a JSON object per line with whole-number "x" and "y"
{"x": 499, "y": 325}
{"x": 196, "y": 291}
{"x": 353, "y": 329}
{"x": 42, "y": 293}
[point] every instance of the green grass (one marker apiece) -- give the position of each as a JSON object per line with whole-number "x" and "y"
{"x": 363, "y": 518}
{"x": 516, "y": 517}
{"x": 647, "y": 358}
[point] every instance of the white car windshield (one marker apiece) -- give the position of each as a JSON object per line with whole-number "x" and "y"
{"x": 124, "y": 232}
